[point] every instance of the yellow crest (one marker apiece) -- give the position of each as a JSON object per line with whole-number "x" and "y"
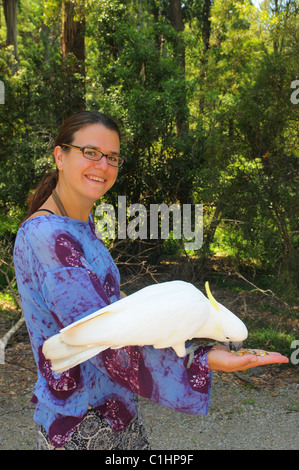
{"x": 210, "y": 297}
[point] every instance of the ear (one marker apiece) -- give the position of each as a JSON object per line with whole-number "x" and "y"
{"x": 58, "y": 154}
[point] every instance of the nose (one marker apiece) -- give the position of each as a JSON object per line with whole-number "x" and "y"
{"x": 101, "y": 163}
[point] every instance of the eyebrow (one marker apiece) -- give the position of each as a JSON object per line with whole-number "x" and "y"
{"x": 97, "y": 148}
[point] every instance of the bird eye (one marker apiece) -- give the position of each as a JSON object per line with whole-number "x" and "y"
{"x": 227, "y": 337}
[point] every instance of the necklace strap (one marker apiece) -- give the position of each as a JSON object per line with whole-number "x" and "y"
{"x": 58, "y": 203}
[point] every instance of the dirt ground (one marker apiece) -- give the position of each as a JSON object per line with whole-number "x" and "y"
{"x": 256, "y": 410}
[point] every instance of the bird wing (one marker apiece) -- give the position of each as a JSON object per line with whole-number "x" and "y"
{"x": 163, "y": 315}
{"x": 64, "y": 356}
{"x": 154, "y": 315}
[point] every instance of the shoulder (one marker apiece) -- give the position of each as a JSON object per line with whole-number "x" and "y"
{"x": 40, "y": 212}
{"x": 42, "y": 226}
{"x": 40, "y": 235}
{"x": 53, "y": 235}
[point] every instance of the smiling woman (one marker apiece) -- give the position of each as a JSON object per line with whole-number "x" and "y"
{"x": 80, "y": 177}
{"x": 81, "y": 180}
{"x": 65, "y": 273}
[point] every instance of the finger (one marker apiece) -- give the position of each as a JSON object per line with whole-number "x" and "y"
{"x": 272, "y": 356}
{"x": 266, "y": 360}
{"x": 243, "y": 362}
{"x": 252, "y": 362}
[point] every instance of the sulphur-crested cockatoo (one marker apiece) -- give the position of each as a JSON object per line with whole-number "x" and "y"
{"x": 162, "y": 315}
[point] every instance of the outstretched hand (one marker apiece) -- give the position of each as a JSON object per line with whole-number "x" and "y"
{"x": 219, "y": 358}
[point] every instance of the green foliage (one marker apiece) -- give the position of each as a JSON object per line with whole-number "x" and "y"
{"x": 210, "y": 121}
{"x": 249, "y": 174}
{"x": 273, "y": 339}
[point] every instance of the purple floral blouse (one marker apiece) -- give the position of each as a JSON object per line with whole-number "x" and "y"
{"x": 64, "y": 272}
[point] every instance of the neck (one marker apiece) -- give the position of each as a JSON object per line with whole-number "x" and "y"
{"x": 75, "y": 206}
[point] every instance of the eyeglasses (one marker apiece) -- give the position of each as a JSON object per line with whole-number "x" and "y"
{"x": 96, "y": 155}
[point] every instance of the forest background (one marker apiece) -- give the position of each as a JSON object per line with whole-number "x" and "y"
{"x": 206, "y": 93}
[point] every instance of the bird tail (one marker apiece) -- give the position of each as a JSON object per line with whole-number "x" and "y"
{"x": 64, "y": 356}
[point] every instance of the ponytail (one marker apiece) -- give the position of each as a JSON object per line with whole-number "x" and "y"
{"x": 43, "y": 191}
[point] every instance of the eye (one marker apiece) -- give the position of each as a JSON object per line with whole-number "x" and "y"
{"x": 90, "y": 152}
{"x": 112, "y": 159}
{"x": 227, "y": 337}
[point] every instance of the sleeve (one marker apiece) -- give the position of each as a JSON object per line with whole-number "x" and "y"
{"x": 73, "y": 291}
{"x": 161, "y": 376}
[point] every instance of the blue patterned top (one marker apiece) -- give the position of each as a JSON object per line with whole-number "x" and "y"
{"x": 64, "y": 272}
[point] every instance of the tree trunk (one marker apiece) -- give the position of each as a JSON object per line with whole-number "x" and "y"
{"x": 10, "y": 13}
{"x": 205, "y": 35}
{"x": 73, "y": 55}
{"x": 73, "y": 32}
{"x": 206, "y": 24}
{"x": 176, "y": 18}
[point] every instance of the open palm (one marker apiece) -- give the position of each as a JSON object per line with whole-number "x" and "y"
{"x": 221, "y": 359}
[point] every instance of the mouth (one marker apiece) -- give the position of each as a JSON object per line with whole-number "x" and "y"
{"x": 96, "y": 179}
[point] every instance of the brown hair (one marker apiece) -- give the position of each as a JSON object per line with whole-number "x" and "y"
{"x": 66, "y": 135}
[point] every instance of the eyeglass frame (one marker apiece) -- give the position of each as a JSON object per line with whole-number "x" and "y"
{"x": 98, "y": 150}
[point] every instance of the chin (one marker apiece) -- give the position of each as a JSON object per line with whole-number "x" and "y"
{"x": 95, "y": 194}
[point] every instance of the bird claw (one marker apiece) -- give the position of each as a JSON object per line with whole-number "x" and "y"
{"x": 190, "y": 351}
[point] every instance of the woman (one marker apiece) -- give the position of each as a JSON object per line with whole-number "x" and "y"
{"x": 64, "y": 273}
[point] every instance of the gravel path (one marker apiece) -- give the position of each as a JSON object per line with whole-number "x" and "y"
{"x": 262, "y": 414}
{"x": 240, "y": 417}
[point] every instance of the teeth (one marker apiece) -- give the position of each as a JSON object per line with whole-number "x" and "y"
{"x": 95, "y": 178}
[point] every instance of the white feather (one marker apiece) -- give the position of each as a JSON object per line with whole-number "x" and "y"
{"x": 162, "y": 315}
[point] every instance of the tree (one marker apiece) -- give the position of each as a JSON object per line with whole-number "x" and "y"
{"x": 73, "y": 54}
{"x": 10, "y": 14}
{"x": 201, "y": 90}
{"x": 73, "y": 32}
{"x": 176, "y": 17}
{"x": 250, "y": 155}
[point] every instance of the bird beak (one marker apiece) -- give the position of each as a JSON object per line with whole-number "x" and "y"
{"x": 234, "y": 345}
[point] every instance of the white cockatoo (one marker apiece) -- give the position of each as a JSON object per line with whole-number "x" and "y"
{"x": 161, "y": 315}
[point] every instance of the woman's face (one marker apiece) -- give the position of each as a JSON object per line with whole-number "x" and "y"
{"x": 87, "y": 178}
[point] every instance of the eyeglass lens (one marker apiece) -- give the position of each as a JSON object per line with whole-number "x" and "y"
{"x": 93, "y": 154}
